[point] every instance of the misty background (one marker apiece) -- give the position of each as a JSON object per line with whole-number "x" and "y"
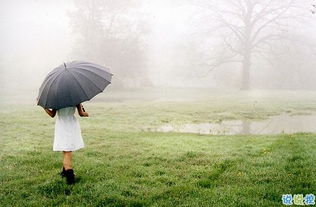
{"x": 231, "y": 44}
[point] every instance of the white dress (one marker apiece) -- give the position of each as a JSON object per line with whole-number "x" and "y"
{"x": 67, "y": 131}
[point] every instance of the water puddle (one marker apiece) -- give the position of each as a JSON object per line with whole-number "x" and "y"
{"x": 284, "y": 123}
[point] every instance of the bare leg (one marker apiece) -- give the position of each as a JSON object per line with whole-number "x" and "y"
{"x": 67, "y": 160}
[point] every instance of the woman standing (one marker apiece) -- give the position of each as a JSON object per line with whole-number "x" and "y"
{"x": 67, "y": 136}
{"x": 70, "y": 84}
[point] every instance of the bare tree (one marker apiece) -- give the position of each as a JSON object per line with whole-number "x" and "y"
{"x": 247, "y": 28}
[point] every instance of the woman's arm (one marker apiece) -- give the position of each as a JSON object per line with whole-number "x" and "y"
{"x": 81, "y": 111}
{"x": 51, "y": 112}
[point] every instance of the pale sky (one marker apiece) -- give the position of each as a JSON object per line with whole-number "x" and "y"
{"x": 35, "y": 37}
{"x": 37, "y": 33}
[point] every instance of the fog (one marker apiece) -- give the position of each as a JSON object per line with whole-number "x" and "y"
{"x": 241, "y": 44}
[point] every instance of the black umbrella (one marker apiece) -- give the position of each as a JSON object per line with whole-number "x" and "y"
{"x": 72, "y": 83}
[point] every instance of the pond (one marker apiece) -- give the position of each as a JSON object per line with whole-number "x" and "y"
{"x": 283, "y": 123}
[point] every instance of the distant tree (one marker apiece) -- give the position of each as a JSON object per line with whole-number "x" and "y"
{"x": 293, "y": 62}
{"x": 112, "y": 33}
{"x": 313, "y": 9}
{"x": 247, "y": 28}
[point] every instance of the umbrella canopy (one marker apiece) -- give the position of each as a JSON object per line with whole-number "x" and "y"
{"x": 72, "y": 83}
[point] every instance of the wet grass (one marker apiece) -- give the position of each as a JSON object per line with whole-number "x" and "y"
{"x": 122, "y": 165}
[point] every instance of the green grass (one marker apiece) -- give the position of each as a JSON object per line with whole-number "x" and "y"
{"x": 125, "y": 165}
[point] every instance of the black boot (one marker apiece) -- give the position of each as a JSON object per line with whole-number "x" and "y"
{"x": 63, "y": 173}
{"x": 70, "y": 176}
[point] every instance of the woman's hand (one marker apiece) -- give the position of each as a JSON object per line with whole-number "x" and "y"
{"x": 85, "y": 114}
{"x": 81, "y": 111}
{"x": 51, "y": 112}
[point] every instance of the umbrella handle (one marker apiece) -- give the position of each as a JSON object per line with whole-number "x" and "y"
{"x": 83, "y": 109}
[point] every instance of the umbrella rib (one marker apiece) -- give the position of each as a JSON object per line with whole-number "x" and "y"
{"x": 78, "y": 83}
{"x": 96, "y": 73}
{"x": 57, "y": 97}
{"x": 47, "y": 79}
{"x": 96, "y": 67}
{"x": 91, "y": 80}
{"x": 50, "y": 86}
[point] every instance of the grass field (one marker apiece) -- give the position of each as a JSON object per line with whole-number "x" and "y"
{"x": 123, "y": 164}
